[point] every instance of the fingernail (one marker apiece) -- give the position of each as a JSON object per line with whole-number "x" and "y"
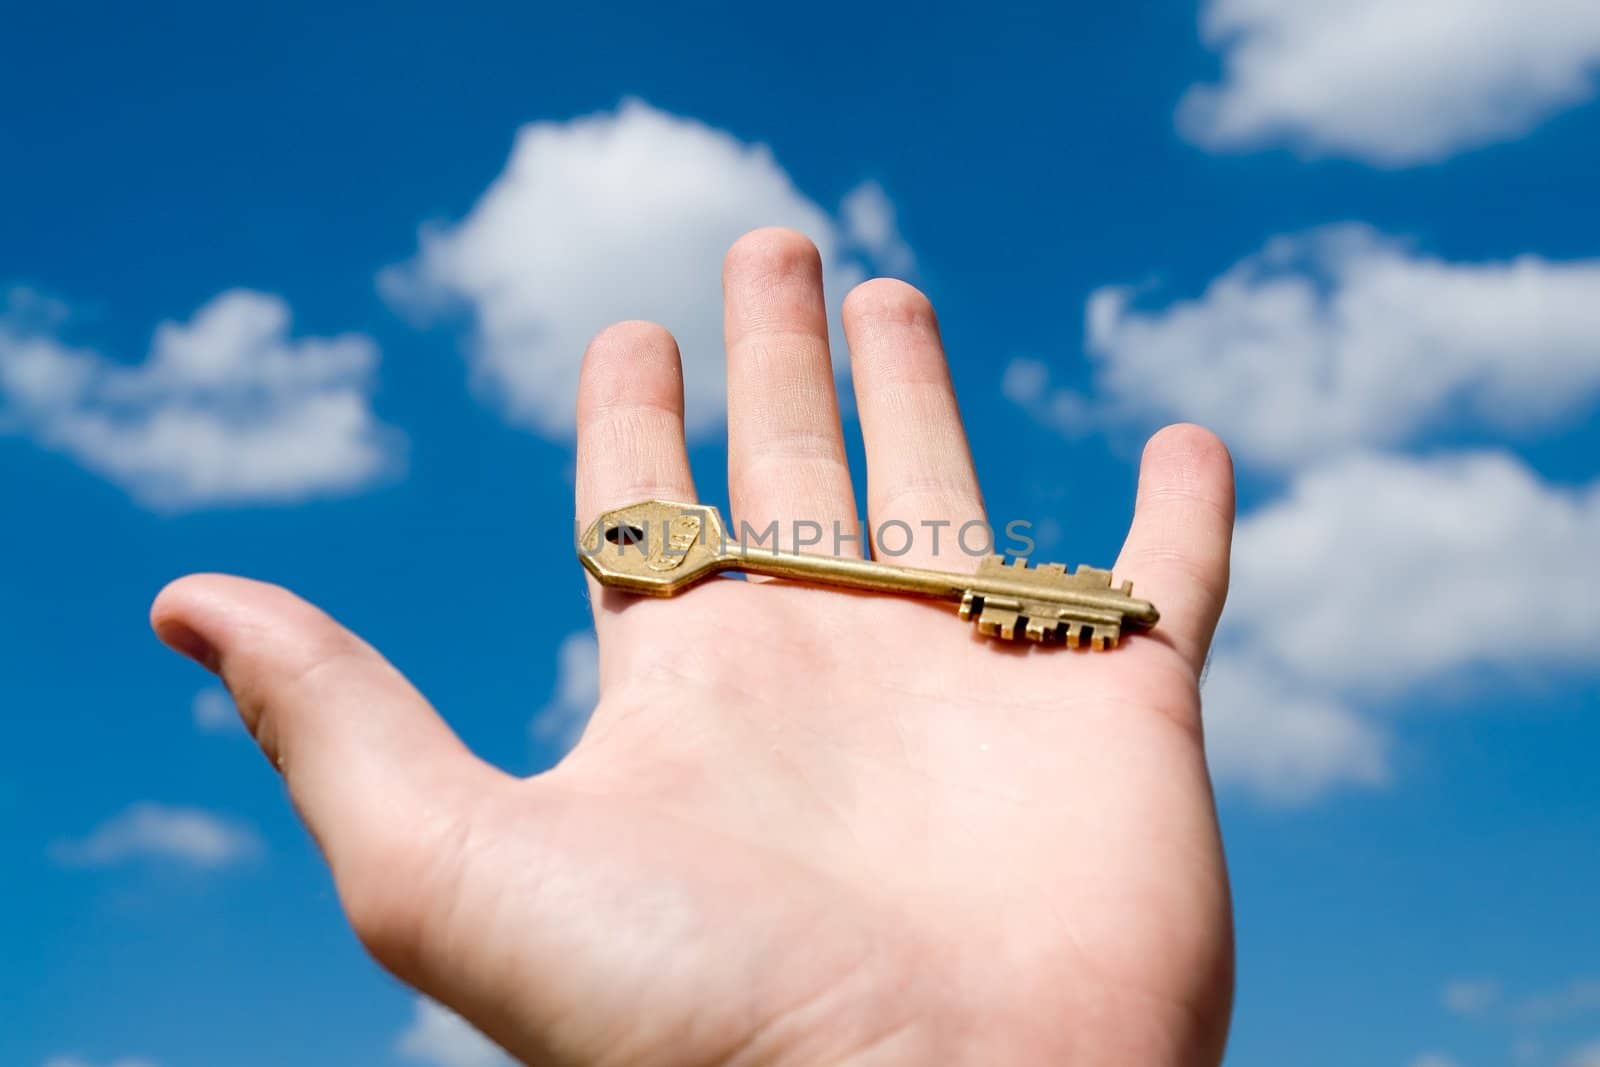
{"x": 179, "y": 638}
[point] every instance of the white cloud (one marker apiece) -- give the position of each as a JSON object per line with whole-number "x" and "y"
{"x": 74, "y": 1061}
{"x": 870, "y": 225}
{"x": 183, "y": 835}
{"x": 1342, "y": 338}
{"x": 618, "y": 215}
{"x": 1375, "y": 576}
{"x": 1471, "y": 996}
{"x": 1372, "y": 575}
{"x": 1434, "y": 1059}
{"x": 214, "y": 712}
{"x": 226, "y": 408}
{"x": 1026, "y": 383}
{"x": 440, "y": 1037}
{"x": 1379, "y": 572}
{"x": 1530, "y": 1018}
{"x": 1577, "y": 999}
{"x": 1394, "y": 84}
{"x": 577, "y": 691}
{"x": 1285, "y": 741}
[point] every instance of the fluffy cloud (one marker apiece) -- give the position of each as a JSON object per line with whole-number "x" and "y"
{"x": 440, "y": 1037}
{"x": 1471, "y": 996}
{"x": 226, "y": 408}
{"x": 182, "y": 835}
{"x": 1577, "y": 999}
{"x": 1533, "y": 1018}
{"x": 1026, "y": 383}
{"x": 1342, "y": 338}
{"x": 1395, "y": 84}
{"x": 214, "y": 713}
{"x": 1372, "y": 575}
{"x": 1434, "y": 1059}
{"x": 577, "y": 691}
{"x": 870, "y": 225}
{"x": 619, "y": 215}
{"x": 1379, "y": 572}
{"x": 1375, "y": 576}
{"x": 1284, "y": 740}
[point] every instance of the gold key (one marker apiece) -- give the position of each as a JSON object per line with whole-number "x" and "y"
{"x": 660, "y": 548}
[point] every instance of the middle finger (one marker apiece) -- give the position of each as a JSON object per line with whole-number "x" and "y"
{"x": 786, "y": 457}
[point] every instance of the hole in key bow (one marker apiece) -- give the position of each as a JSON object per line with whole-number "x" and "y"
{"x": 624, "y": 534}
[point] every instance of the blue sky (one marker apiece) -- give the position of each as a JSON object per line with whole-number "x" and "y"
{"x": 1370, "y": 259}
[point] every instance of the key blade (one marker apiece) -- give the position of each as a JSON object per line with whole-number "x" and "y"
{"x": 1051, "y": 606}
{"x": 1049, "y": 575}
{"x": 1048, "y": 624}
{"x": 1075, "y": 627}
{"x": 655, "y": 547}
{"x": 1087, "y": 588}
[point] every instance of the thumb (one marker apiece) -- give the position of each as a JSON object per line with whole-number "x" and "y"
{"x": 375, "y": 773}
{"x": 1177, "y": 548}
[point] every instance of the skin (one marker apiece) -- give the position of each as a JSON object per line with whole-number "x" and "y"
{"x": 803, "y": 826}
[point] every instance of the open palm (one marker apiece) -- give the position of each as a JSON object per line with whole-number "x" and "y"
{"x": 802, "y": 826}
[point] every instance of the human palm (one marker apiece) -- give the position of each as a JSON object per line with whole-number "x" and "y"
{"x": 802, "y": 826}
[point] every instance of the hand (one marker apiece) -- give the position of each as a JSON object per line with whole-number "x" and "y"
{"x": 803, "y": 826}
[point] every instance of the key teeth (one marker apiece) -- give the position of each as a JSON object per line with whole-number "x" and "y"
{"x": 1094, "y": 576}
{"x": 995, "y": 628}
{"x": 998, "y": 622}
{"x": 1008, "y": 625}
{"x": 971, "y": 604}
{"x": 1097, "y": 636}
{"x": 1043, "y": 620}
